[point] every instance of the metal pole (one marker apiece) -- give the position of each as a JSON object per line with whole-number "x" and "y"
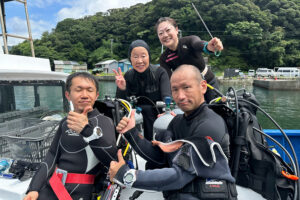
{"x": 3, "y": 27}
{"x": 111, "y": 45}
{"x": 29, "y": 29}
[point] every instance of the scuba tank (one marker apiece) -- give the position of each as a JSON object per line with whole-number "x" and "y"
{"x": 161, "y": 124}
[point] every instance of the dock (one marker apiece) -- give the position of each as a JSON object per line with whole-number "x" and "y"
{"x": 278, "y": 84}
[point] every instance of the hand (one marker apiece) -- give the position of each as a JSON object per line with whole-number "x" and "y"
{"x": 115, "y": 166}
{"x": 120, "y": 81}
{"x": 214, "y": 45}
{"x": 168, "y": 148}
{"x": 77, "y": 121}
{"x": 33, "y": 195}
{"x": 172, "y": 113}
{"x": 126, "y": 124}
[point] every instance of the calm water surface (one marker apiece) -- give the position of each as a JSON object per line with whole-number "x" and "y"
{"x": 283, "y": 106}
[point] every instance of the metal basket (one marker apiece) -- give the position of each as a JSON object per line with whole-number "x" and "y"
{"x": 30, "y": 143}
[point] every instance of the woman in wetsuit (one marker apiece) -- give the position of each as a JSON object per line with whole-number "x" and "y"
{"x": 144, "y": 80}
{"x": 186, "y": 50}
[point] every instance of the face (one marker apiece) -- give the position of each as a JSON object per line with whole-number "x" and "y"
{"x": 187, "y": 92}
{"x": 82, "y": 93}
{"x": 139, "y": 59}
{"x": 167, "y": 35}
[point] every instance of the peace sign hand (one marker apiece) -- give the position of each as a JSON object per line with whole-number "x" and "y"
{"x": 120, "y": 81}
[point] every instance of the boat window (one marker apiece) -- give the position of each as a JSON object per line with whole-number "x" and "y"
{"x": 32, "y": 97}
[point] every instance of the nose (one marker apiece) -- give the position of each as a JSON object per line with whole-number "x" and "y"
{"x": 181, "y": 95}
{"x": 165, "y": 34}
{"x": 140, "y": 59}
{"x": 84, "y": 94}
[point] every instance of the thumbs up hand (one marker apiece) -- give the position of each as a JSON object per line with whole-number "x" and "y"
{"x": 126, "y": 123}
{"x": 77, "y": 121}
{"x": 115, "y": 166}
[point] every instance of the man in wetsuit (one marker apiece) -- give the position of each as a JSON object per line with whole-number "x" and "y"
{"x": 83, "y": 147}
{"x": 190, "y": 154}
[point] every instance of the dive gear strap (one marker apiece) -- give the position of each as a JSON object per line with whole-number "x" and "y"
{"x": 61, "y": 177}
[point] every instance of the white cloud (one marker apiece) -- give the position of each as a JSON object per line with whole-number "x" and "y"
{"x": 18, "y": 26}
{"x": 69, "y": 9}
{"x": 80, "y": 8}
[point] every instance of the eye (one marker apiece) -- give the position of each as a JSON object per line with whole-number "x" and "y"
{"x": 174, "y": 89}
{"x": 186, "y": 87}
{"x": 168, "y": 30}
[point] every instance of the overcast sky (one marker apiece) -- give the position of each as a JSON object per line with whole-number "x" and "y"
{"x": 45, "y": 14}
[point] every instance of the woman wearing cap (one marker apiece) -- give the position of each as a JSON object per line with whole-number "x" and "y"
{"x": 144, "y": 80}
{"x": 186, "y": 50}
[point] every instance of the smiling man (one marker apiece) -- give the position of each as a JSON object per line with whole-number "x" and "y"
{"x": 83, "y": 147}
{"x": 192, "y": 148}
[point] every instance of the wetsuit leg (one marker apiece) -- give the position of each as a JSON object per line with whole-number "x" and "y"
{"x": 210, "y": 94}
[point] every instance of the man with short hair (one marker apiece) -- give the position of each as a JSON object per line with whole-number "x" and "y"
{"x": 190, "y": 148}
{"x": 83, "y": 147}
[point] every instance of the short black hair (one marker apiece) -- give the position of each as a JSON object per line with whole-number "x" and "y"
{"x": 83, "y": 75}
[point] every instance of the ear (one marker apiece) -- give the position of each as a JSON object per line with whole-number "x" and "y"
{"x": 203, "y": 85}
{"x": 97, "y": 95}
{"x": 67, "y": 94}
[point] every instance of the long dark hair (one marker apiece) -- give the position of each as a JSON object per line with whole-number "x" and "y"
{"x": 165, "y": 19}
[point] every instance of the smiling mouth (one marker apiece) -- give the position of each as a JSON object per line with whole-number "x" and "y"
{"x": 84, "y": 102}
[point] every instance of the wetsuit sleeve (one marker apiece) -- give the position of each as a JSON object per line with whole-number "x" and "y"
{"x": 144, "y": 147}
{"x": 164, "y": 81}
{"x": 48, "y": 165}
{"x": 164, "y": 65}
{"x": 173, "y": 178}
{"x": 196, "y": 43}
{"x": 104, "y": 147}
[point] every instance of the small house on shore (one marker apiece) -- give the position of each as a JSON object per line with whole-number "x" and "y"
{"x": 125, "y": 65}
{"x": 107, "y": 66}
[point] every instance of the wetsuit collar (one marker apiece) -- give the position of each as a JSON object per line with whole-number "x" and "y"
{"x": 143, "y": 75}
{"x": 195, "y": 113}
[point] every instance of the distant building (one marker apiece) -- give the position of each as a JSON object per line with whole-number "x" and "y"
{"x": 69, "y": 66}
{"x": 107, "y": 66}
{"x": 125, "y": 65}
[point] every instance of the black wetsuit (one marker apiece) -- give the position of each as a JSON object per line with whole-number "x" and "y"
{"x": 189, "y": 51}
{"x": 177, "y": 178}
{"x": 154, "y": 84}
{"x": 69, "y": 151}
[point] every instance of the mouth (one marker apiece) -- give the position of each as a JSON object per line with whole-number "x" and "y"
{"x": 167, "y": 40}
{"x": 140, "y": 66}
{"x": 84, "y": 102}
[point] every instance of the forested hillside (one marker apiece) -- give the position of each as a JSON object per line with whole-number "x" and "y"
{"x": 255, "y": 33}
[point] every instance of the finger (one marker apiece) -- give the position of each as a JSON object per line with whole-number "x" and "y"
{"x": 155, "y": 142}
{"x": 87, "y": 109}
{"x": 172, "y": 113}
{"x": 120, "y": 71}
{"x": 132, "y": 115}
{"x": 120, "y": 156}
{"x": 116, "y": 73}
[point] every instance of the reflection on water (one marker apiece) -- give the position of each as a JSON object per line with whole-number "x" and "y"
{"x": 107, "y": 88}
{"x": 282, "y": 106}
